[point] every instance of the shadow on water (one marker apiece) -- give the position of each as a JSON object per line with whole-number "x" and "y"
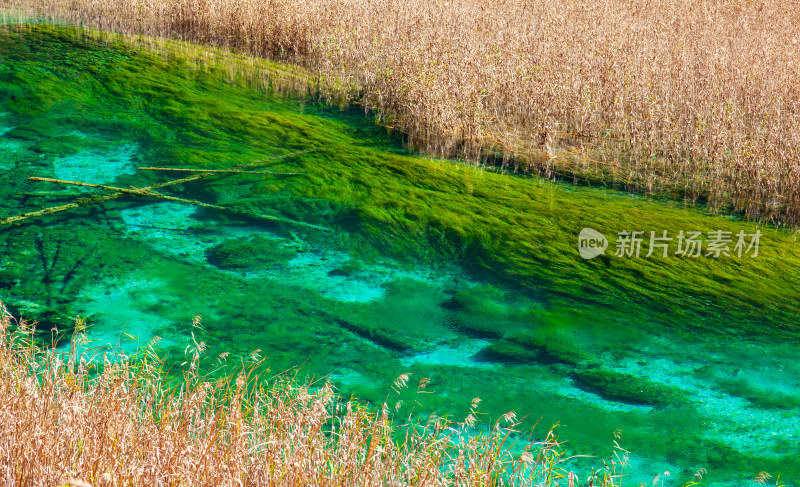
{"x": 468, "y": 277}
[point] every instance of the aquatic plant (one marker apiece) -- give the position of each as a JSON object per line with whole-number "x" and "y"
{"x": 626, "y": 387}
{"x": 661, "y": 99}
{"x": 254, "y": 254}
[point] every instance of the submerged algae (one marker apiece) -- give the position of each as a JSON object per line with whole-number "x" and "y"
{"x": 627, "y": 388}
{"x": 256, "y": 253}
{"x": 521, "y": 229}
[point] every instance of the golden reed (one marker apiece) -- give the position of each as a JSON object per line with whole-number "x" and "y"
{"x": 72, "y": 418}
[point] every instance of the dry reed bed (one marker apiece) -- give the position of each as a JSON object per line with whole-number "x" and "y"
{"x": 698, "y": 97}
{"x": 64, "y": 420}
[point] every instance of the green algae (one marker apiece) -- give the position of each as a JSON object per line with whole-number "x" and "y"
{"x": 627, "y": 388}
{"x": 549, "y": 346}
{"x": 256, "y": 253}
{"x": 34, "y": 131}
{"x": 539, "y": 309}
{"x": 760, "y": 398}
{"x": 510, "y": 352}
{"x": 59, "y": 146}
{"x": 503, "y": 224}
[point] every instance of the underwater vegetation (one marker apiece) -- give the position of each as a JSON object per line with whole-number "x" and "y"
{"x": 466, "y": 276}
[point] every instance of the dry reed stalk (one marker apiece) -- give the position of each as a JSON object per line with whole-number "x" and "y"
{"x": 107, "y": 421}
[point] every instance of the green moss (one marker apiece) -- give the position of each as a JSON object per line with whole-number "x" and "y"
{"x": 35, "y": 131}
{"x": 376, "y": 335}
{"x": 763, "y": 398}
{"x": 617, "y": 386}
{"x": 60, "y": 146}
{"x": 514, "y": 229}
{"x": 505, "y": 351}
{"x": 255, "y": 253}
{"x": 508, "y": 228}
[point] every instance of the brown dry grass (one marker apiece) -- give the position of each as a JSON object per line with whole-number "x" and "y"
{"x": 65, "y": 419}
{"x": 695, "y": 97}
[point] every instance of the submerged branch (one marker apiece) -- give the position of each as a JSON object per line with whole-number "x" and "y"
{"x": 95, "y": 200}
{"x": 148, "y": 192}
{"x": 134, "y": 191}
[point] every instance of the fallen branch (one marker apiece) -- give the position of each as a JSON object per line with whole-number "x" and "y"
{"x": 148, "y": 192}
{"x": 95, "y": 200}
{"x": 92, "y": 200}
{"x": 134, "y": 191}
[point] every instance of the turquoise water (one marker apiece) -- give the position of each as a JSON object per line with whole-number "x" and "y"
{"x": 434, "y": 268}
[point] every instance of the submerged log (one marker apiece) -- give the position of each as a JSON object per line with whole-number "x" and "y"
{"x": 148, "y": 192}
{"x": 98, "y": 199}
{"x": 135, "y": 191}
{"x": 88, "y": 201}
{"x": 55, "y": 209}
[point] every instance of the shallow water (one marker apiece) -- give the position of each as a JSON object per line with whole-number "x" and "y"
{"x": 468, "y": 277}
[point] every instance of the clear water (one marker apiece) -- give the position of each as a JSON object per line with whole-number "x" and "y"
{"x": 467, "y": 277}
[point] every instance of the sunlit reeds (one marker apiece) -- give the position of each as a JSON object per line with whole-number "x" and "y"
{"x": 69, "y": 418}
